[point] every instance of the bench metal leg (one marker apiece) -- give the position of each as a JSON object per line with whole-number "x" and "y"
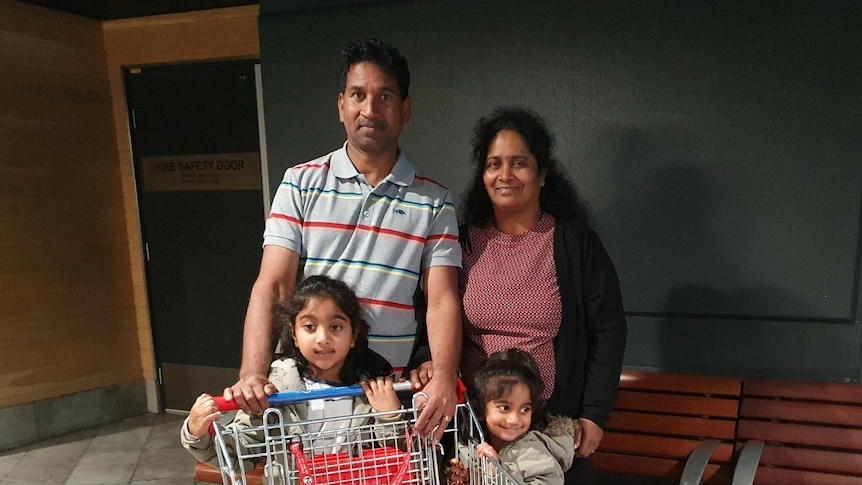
{"x": 697, "y": 461}
{"x": 746, "y": 464}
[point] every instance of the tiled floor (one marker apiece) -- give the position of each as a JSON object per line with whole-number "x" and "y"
{"x": 144, "y": 450}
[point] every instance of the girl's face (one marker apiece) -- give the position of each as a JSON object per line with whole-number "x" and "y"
{"x": 324, "y": 335}
{"x": 509, "y": 417}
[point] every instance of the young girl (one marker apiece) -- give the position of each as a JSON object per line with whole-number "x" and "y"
{"x": 505, "y": 396}
{"x": 325, "y": 342}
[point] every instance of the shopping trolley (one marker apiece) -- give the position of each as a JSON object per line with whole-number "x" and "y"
{"x": 378, "y": 452}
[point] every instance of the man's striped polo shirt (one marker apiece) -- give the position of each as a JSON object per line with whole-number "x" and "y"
{"x": 378, "y": 240}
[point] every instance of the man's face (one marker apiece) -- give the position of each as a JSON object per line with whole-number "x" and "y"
{"x": 372, "y": 110}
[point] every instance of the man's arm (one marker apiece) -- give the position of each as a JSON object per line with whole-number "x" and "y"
{"x": 274, "y": 284}
{"x": 444, "y": 337}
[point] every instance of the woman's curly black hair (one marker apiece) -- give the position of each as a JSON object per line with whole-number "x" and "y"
{"x": 361, "y": 362}
{"x": 558, "y": 197}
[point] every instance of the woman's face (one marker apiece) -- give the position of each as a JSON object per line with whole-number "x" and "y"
{"x": 511, "y": 175}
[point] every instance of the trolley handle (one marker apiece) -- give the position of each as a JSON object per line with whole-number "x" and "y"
{"x": 293, "y": 397}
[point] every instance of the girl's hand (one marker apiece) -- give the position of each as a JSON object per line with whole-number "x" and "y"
{"x": 457, "y": 473}
{"x": 484, "y": 449}
{"x": 381, "y": 394}
{"x": 202, "y": 414}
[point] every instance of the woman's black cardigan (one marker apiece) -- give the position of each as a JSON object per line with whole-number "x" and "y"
{"x": 592, "y": 338}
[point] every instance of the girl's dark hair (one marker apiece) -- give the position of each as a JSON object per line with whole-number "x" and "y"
{"x": 361, "y": 362}
{"x": 501, "y": 372}
{"x": 558, "y": 197}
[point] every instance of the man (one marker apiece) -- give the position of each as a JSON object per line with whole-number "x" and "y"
{"x": 362, "y": 215}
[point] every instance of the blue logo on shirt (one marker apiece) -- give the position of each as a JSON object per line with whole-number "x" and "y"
{"x": 400, "y": 212}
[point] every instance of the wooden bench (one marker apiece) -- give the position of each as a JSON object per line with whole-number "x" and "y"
{"x": 207, "y": 474}
{"x": 799, "y": 432}
{"x": 670, "y": 428}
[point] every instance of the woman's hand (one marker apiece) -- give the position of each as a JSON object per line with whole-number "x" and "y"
{"x": 381, "y": 394}
{"x": 202, "y": 414}
{"x": 591, "y": 437}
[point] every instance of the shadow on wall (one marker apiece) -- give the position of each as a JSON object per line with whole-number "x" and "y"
{"x": 721, "y": 343}
{"x": 670, "y": 232}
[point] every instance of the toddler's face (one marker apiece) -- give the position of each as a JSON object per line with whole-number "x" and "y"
{"x": 509, "y": 417}
{"x": 324, "y": 336}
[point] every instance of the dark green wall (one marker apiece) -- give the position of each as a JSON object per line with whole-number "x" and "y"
{"x": 718, "y": 143}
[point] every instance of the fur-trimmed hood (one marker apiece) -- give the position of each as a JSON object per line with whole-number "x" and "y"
{"x": 562, "y": 426}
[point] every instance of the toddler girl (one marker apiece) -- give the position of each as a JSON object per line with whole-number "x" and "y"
{"x": 505, "y": 396}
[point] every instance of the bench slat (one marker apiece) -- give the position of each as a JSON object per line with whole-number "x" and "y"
{"x": 643, "y": 466}
{"x": 680, "y": 383}
{"x": 815, "y": 391}
{"x": 676, "y": 404}
{"x": 802, "y": 412}
{"x": 672, "y": 425}
{"x": 800, "y": 434}
{"x": 808, "y": 459}
{"x": 780, "y": 476}
{"x": 660, "y": 447}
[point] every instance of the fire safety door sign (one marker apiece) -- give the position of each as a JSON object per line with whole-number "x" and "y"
{"x": 218, "y": 171}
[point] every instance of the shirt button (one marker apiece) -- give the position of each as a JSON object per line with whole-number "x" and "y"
{"x": 366, "y": 213}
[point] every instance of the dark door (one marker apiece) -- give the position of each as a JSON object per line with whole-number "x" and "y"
{"x": 197, "y": 165}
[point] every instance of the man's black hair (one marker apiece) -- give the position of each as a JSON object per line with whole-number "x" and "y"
{"x": 385, "y": 56}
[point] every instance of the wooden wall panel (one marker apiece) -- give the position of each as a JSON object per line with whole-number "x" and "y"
{"x": 212, "y": 30}
{"x": 47, "y": 209}
{"x": 63, "y": 182}
{"x": 16, "y": 153}
{"x": 67, "y": 315}
{"x": 27, "y": 376}
{"x": 73, "y": 303}
{"x": 19, "y": 259}
{"x": 62, "y": 55}
{"x": 66, "y": 327}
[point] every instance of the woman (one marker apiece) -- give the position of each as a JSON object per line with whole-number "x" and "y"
{"x": 536, "y": 277}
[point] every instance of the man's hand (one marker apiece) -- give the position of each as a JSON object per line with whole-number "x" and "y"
{"x": 251, "y": 393}
{"x": 440, "y": 407}
{"x": 591, "y": 437}
{"x": 444, "y": 341}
